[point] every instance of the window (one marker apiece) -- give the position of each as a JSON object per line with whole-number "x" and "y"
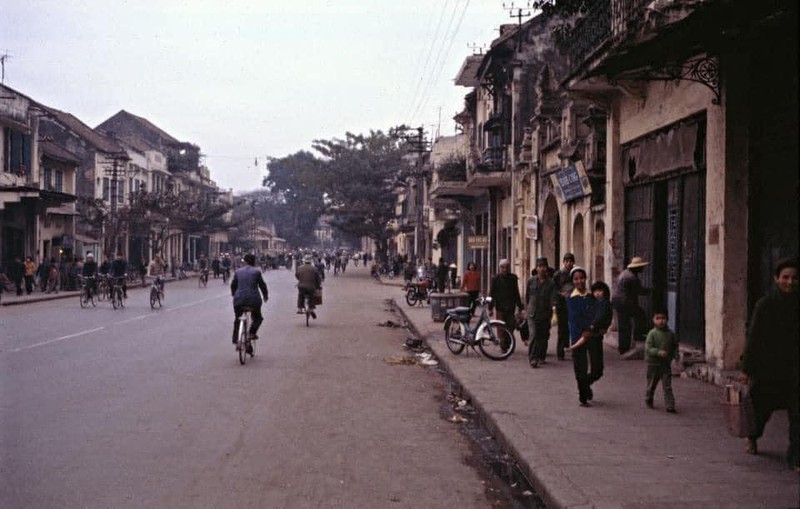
{"x": 18, "y": 155}
{"x": 47, "y": 178}
{"x": 59, "y": 181}
{"x": 106, "y": 188}
{"x": 120, "y": 191}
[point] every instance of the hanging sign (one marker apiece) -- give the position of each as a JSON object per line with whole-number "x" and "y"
{"x": 478, "y": 242}
{"x": 571, "y": 183}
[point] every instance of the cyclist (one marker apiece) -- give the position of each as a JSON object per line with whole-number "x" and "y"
{"x": 226, "y": 267}
{"x": 157, "y": 270}
{"x": 308, "y": 279}
{"x": 202, "y": 266}
{"x": 89, "y": 272}
{"x": 245, "y": 287}
{"x": 118, "y": 271}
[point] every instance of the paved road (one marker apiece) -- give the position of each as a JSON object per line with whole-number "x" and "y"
{"x": 150, "y": 408}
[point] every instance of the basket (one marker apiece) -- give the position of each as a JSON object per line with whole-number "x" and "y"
{"x": 737, "y": 407}
{"x": 317, "y": 297}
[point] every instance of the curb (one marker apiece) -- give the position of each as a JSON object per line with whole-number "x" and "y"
{"x": 543, "y": 484}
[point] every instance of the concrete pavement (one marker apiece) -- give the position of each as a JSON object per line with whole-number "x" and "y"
{"x": 616, "y": 453}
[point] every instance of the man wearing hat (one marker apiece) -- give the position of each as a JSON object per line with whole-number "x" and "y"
{"x": 564, "y": 286}
{"x": 89, "y": 271}
{"x": 504, "y": 292}
{"x": 540, "y": 297}
{"x": 625, "y": 301}
{"x": 308, "y": 280}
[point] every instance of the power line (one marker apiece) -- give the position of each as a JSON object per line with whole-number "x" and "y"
{"x": 427, "y": 59}
{"x": 447, "y": 52}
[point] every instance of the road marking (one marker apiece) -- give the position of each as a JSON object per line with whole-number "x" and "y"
{"x": 62, "y": 338}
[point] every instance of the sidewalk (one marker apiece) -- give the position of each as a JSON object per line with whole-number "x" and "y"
{"x": 617, "y": 453}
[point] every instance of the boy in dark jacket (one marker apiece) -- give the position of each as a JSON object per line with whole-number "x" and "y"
{"x": 660, "y": 347}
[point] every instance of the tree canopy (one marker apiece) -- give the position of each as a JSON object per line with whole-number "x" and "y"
{"x": 347, "y": 179}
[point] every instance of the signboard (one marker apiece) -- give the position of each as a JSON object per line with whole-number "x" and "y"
{"x": 532, "y": 227}
{"x": 571, "y": 183}
{"x": 477, "y": 242}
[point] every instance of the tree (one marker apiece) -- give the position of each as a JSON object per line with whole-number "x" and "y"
{"x": 358, "y": 177}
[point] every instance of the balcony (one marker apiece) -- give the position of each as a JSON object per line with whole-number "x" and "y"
{"x": 490, "y": 171}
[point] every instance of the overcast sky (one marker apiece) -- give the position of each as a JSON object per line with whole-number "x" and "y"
{"x": 248, "y": 78}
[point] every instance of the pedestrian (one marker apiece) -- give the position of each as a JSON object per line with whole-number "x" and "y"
{"x": 540, "y": 299}
{"x": 441, "y": 275}
{"x": 625, "y": 301}
{"x": 30, "y": 274}
{"x": 580, "y": 314}
{"x": 504, "y": 291}
{"x": 16, "y": 272}
{"x": 563, "y": 281}
{"x": 471, "y": 283}
{"x": 215, "y": 266}
{"x": 41, "y": 275}
{"x": 53, "y": 276}
{"x": 771, "y": 358}
{"x": 660, "y": 347}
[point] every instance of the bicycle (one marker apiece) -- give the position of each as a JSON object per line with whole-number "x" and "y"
{"x": 308, "y": 299}
{"x": 87, "y": 295}
{"x": 157, "y": 291}
{"x": 226, "y": 274}
{"x": 417, "y": 293}
{"x": 103, "y": 287}
{"x": 492, "y": 337}
{"x": 202, "y": 281}
{"x": 244, "y": 344}
{"x": 117, "y": 298}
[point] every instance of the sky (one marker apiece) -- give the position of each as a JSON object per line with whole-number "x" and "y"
{"x": 249, "y": 79}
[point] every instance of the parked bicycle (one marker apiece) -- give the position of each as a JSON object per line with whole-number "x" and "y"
{"x": 157, "y": 292}
{"x": 202, "y": 281}
{"x": 117, "y": 295}
{"x": 417, "y": 293}
{"x": 492, "y": 337}
{"x": 244, "y": 344}
{"x": 87, "y": 294}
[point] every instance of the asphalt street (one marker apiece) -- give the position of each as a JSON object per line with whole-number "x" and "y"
{"x": 151, "y": 408}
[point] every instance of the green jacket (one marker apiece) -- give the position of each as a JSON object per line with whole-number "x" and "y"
{"x": 660, "y": 339}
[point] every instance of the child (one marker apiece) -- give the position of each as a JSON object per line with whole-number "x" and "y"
{"x": 660, "y": 347}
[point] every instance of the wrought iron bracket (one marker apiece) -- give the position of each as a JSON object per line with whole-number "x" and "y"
{"x": 703, "y": 70}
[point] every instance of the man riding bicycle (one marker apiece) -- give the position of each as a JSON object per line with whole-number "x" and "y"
{"x": 308, "y": 280}
{"x": 245, "y": 287}
{"x": 157, "y": 269}
{"x": 89, "y": 272}
{"x": 117, "y": 271}
{"x": 202, "y": 265}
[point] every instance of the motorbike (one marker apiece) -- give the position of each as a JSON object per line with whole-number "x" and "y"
{"x": 419, "y": 292}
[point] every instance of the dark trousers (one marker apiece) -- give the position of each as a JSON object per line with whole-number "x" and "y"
{"x": 537, "y": 348}
{"x": 660, "y": 372}
{"x": 29, "y": 284}
{"x": 766, "y": 399}
{"x": 255, "y": 323}
{"x": 473, "y": 301}
{"x": 590, "y": 355}
{"x": 563, "y": 328}
{"x": 303, "y": 295}
{"x": 507, "y": 316}
{"x": 630, "y": 321}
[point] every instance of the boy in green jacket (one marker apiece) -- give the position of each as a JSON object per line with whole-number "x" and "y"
{"x": 660, "y": 347}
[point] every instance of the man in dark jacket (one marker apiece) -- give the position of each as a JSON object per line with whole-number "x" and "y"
{"x": 771, "y": 360}
{"x": 308, "y": 280}
{"x": 245, "y": 287}
{"x": 625, "y": 301}
{"x": 564, "y": 286}
{"x": 16, "y": 273}
{"x": 89, "y": 271}
{"x": 540, "y": 298}
{"x": 504, "y": 292}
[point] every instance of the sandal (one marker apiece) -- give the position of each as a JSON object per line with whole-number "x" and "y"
{"x": 752, "y": 446}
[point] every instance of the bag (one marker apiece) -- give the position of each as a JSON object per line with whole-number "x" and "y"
{"x": 737, "y": 407}
{"x": 318, "y": 297}
{"x": 524, "y": 332}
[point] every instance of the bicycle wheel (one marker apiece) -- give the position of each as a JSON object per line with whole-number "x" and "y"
{"x": 495, "y": 340}
{"x": 241, "y": 346}
{"x": 92, "y": 299}
{"x": 116, "y": 297}
{"x": 205, "y": 280}
{"x": 153, "y": 297}
{"x": 454, "y": 335}
{"x": 411, "y": 297}
{"x": 84, "y": 297}
{"x": 120, "y": 298}
{"x": 200, "y": 281}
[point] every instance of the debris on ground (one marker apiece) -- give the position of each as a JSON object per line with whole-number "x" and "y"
{"x": 457, "y": 419}
{"x": 398, "y": 360}
{"x": 389, "y": 323}
{"x": 413, "y": 343}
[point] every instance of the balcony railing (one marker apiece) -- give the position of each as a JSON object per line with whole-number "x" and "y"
{"x": 492, "y": 159}
{"x": 606, "y": 19}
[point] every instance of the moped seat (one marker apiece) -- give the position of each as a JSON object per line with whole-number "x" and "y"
{"x": 460, "y": 313}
